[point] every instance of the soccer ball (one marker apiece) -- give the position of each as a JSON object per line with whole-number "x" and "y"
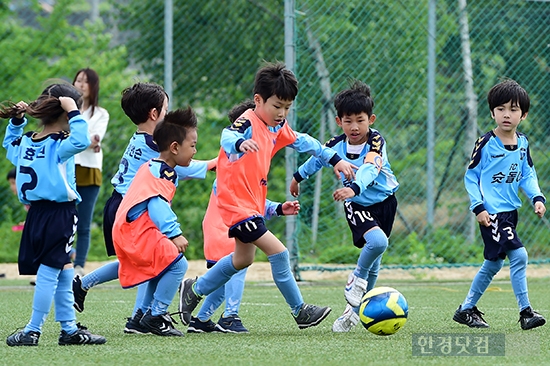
{"x": 383, "y": 311}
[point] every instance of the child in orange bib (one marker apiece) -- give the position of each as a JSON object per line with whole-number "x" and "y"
{"x": 146, "y": 234}
{"x": 248, "y": 146}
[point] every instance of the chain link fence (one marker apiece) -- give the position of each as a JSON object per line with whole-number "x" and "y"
{"x": 393, "y": 47}
{"x": 429, "y": 64}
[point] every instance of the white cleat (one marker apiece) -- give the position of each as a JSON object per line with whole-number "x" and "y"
{"x": 346, "y": 321}
{"x": 355, "y": 289}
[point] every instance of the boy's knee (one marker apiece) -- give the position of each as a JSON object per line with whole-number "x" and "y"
{"x": 180, "y": 267}
{"x": 492, "y": 267}
{"x": 376, "y": 240}
{"x": 518, "y": 257}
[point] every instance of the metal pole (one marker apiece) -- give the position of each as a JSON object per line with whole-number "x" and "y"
{"x": 471, "y": 98}
{"x": 168, "y": 48}
{"x": 290, "y": 155}
{"x": 94, "y": 13}
{"x": 430, "y": 159}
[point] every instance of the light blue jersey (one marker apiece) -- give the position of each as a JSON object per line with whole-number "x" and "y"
{"x": 140, "y": 150}
{"x": 497, "y": 172}
{"x": 232, "y": 138}
{"x": 369, "y": 185}
{"x": 45, "y": 166}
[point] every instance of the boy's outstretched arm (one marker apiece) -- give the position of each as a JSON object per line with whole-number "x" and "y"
{"x": 212, "y": 163}
{"x": 290, "y": 208}
{"x": 273, "y": 209}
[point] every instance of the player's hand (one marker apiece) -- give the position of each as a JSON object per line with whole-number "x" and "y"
{"x": 68, "y": 104}
{"x": 212, "y": 164}
{"x": 249, "y": 146}
{"x": 540, "y": 209}
{"x": 95, "y": 143}
{"x": 483, "y": 218}
{"x": 294, "y": 188}
{"x": 342, "y": 194}
{"x": 21, "y": 107}
{"x": 181, "y": 243}
{"x": 291, "y": 208}
{"x": 346, "y": 168}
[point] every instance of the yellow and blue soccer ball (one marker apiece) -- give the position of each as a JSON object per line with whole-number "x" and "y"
{"x": 383, "y": 311}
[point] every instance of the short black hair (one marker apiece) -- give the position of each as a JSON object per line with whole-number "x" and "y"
{"x": 239, "y": 109}
{"x": 276, "y": 79}
{"x": 508, "y": 91}
{"x": 354, "y": 100}
{"x": 12, "y": 173}
{"x": 138, "y": 100}
{"x": 174, "y": 127}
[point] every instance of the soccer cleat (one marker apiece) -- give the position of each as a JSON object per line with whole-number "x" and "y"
{"x": 188, "y": 300}
{"x": 355, "y": 289}
{"x": 470, "y": 317}
{"x": 529, "y": 319}
{"x": 79, "y": 294}
{"x": 311, "y": 315}
{"x": 346, "y": 321}
{"x": 161, "y": 325}
{"x": 198, "y": 326}
{"x": 232, "y": 324}
{"x": 133, "y": 326}
{"x": 20, "y": 338}
{"x": 81, "y": 336}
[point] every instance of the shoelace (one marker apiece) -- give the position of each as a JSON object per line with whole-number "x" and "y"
{"x": 170, "y": 315}
{"x": 476, "y": 311}
{"x": 15, "y": 331}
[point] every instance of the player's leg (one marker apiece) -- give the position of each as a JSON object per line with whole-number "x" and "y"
{"x": 46, "y": 283}
{"x": 107, "y": 272}
{"x": 468, "y": 313}
{"x": 202, "y": 323}
{"x": 528, "y": 318}
{"x": 234, "y": 288}
{"x": 225, "y": 268}
{"x": 157, "y": 319}
{"x": 144, "y": 298}
{"x": 85, "y": 214}
{"x": 81, "y": 286}
{"x": 494, "y": 254}
{"x": 305, "y": 315}
{"x": 350, "y": 316}
{"x": 376, "y": 243}
{"x": 372, "y": 276}
{"x": 71, "y": 332}
{"x": 193, "y": 290}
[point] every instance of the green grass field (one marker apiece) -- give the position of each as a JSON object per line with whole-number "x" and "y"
{"x": 274, "y": 338}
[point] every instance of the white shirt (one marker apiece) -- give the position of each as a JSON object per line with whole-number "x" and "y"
{"x": 97, "y": 125}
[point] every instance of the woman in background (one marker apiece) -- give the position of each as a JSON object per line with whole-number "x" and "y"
{"x": 89, "y": 162}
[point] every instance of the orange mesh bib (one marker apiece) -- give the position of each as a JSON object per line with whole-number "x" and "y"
{"x": 242, "y": 184}
{"x": 142, "y": 250}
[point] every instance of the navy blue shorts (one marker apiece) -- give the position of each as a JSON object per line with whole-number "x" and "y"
{"x": 501, "y": 236}
{"x": 109, "y": 215}
{"x": 248, "y": 230}
{"x": 362, "y": 218}
{"x": 48, "y": 236}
